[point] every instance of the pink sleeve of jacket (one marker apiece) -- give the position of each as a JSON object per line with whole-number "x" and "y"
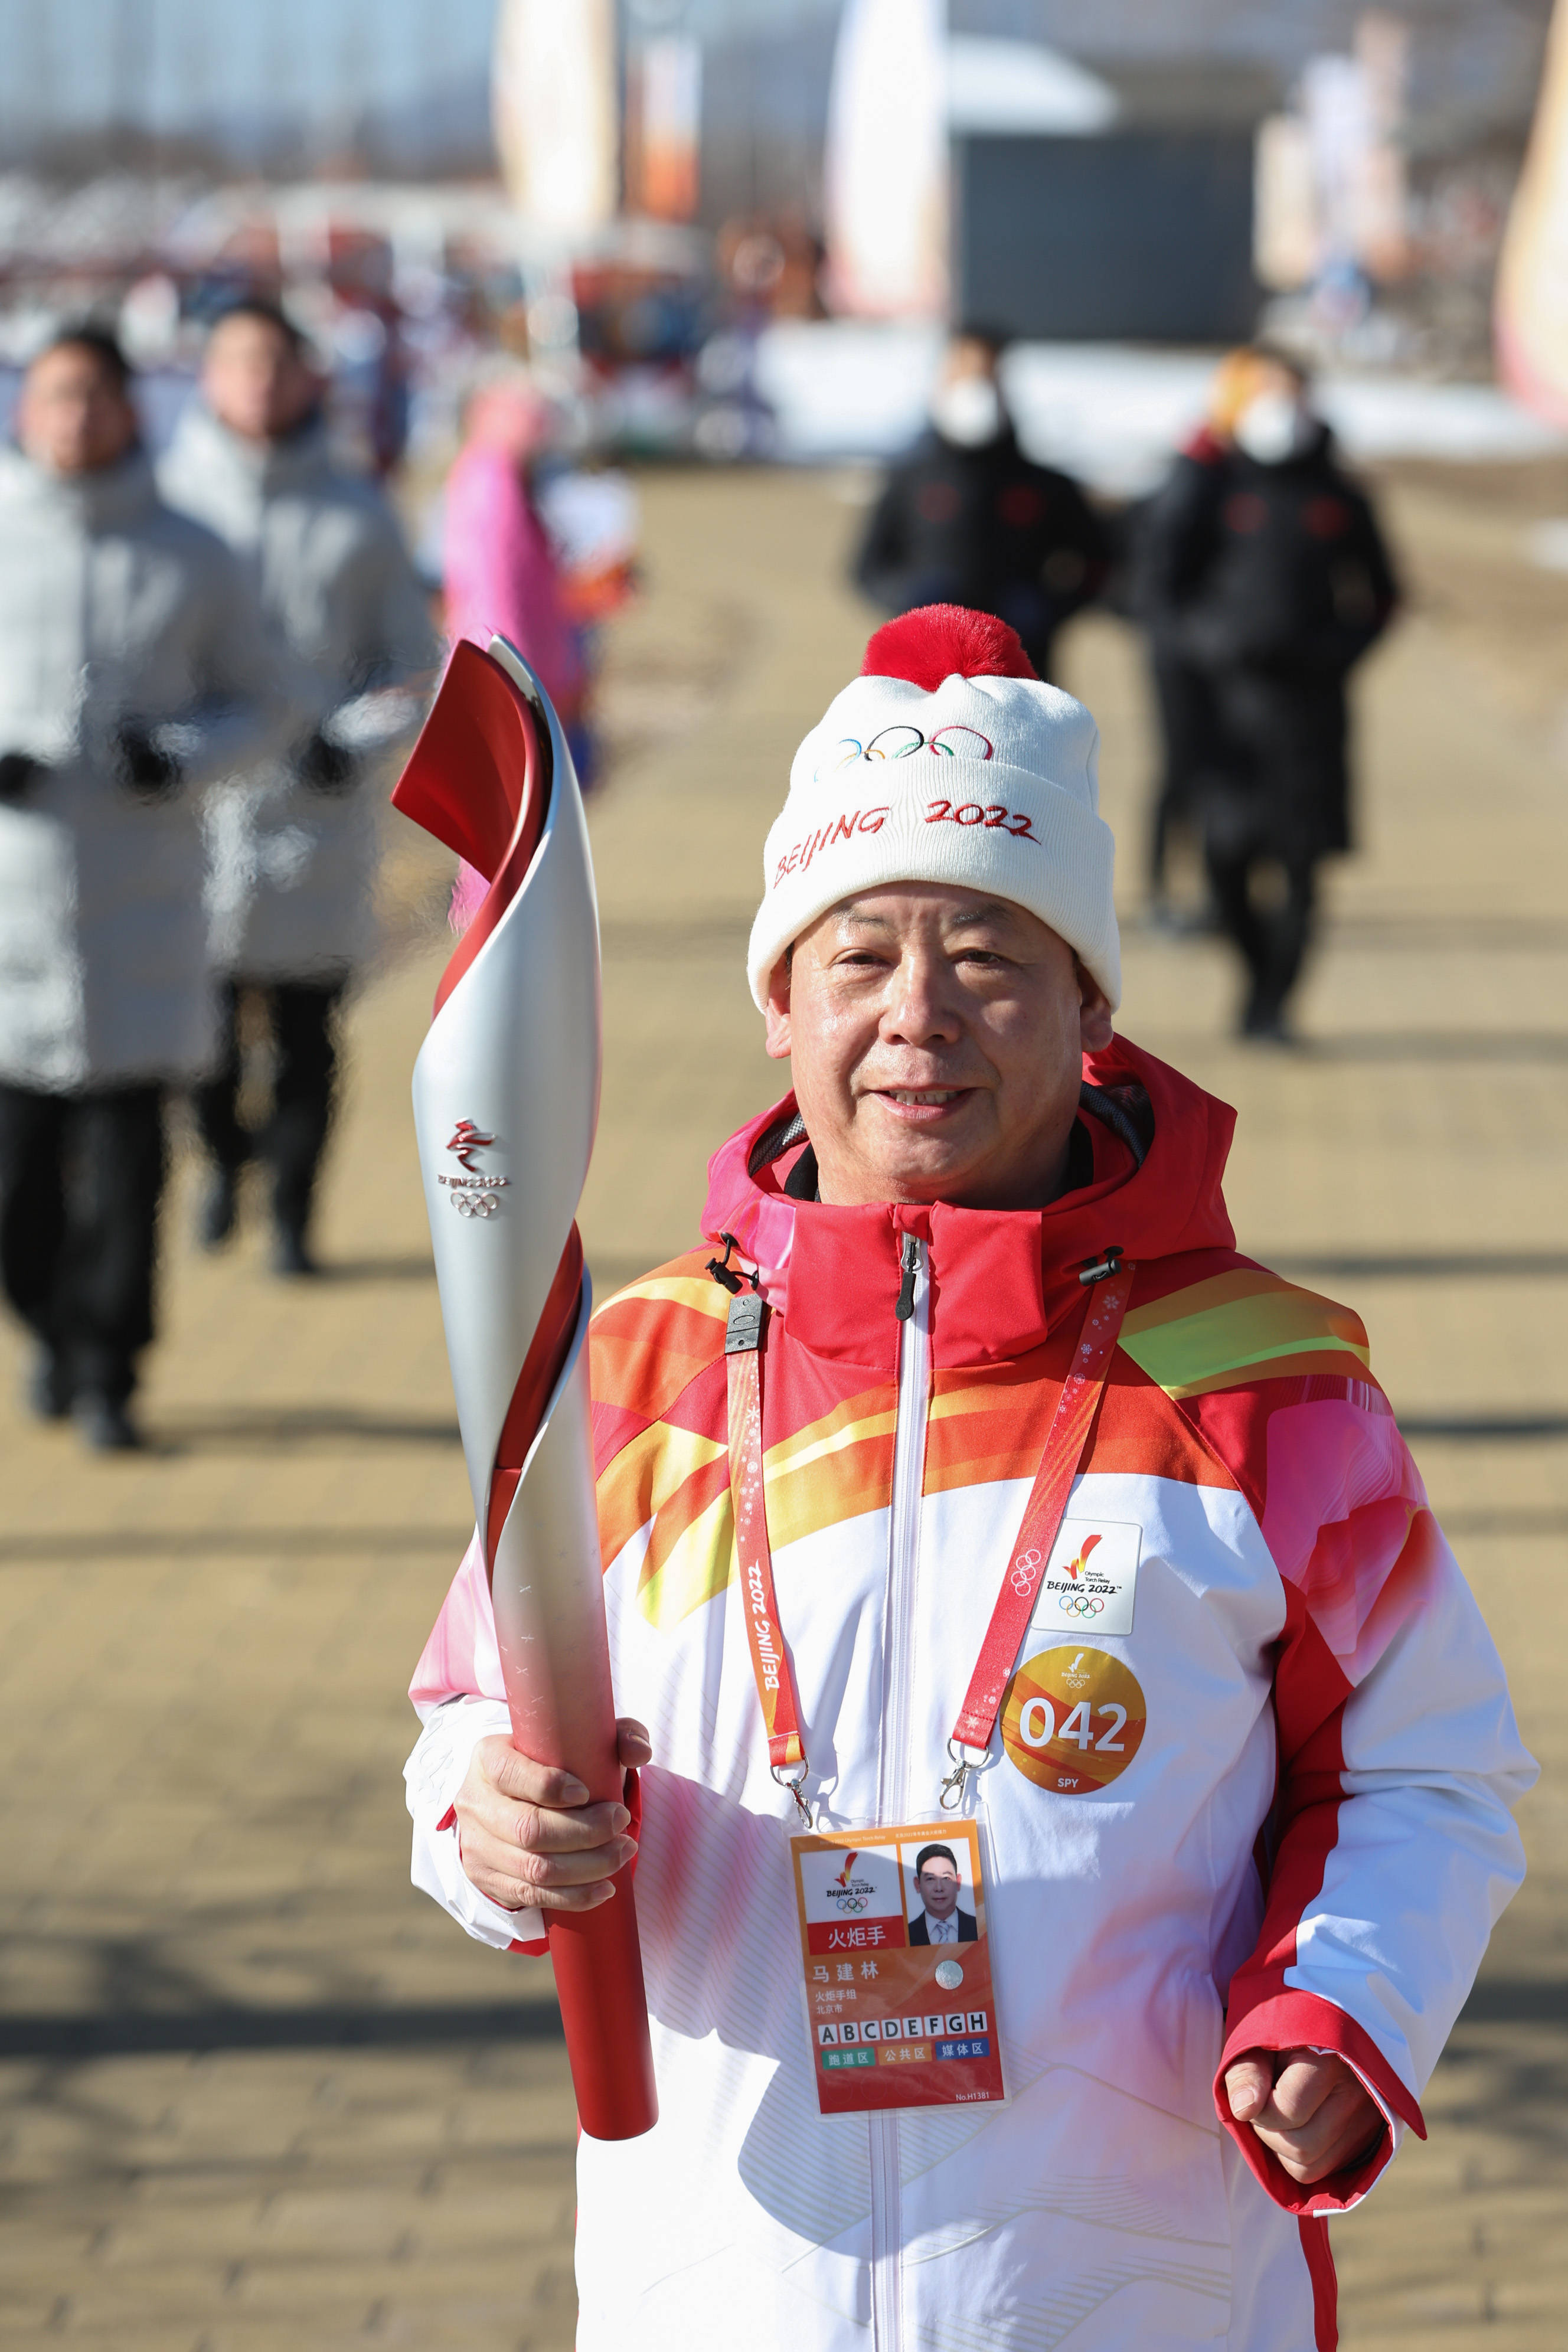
{"x": 459, "y": 1698}
{"x": 1393, "y": 1846}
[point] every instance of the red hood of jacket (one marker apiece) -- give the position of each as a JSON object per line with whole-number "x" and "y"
{"x": 1002, "y": 1279}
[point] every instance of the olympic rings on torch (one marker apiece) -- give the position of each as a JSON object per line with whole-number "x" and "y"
{"x": 476, "y": 1204}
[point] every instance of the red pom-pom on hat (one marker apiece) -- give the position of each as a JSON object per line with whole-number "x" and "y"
{"x": 938, "y": 641}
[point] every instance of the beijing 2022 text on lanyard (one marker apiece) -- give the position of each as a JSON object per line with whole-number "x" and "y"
{"x": 892, "y": 1920}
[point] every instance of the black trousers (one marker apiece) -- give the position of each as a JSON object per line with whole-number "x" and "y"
{"x": 1187, "y": 728}
{"x": 303, "y": 1019}
{"x": 80, "y": 1178}
{"x": 1273, "y": 939}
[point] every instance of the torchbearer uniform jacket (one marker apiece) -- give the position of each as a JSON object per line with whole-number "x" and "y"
{"x": 292, "y": 868}
{"x": 1309, "y": 1846}
{"x": 114, "y": 611}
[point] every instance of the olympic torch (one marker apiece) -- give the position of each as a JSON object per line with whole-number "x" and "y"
{"x": 505, "y": 1099}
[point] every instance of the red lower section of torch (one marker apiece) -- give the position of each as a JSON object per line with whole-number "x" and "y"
{"x": 598, "y": 1961}
{"x": 599, "y": 1981}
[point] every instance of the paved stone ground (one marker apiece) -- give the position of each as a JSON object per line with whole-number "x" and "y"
{"x": 255, "y": 2093}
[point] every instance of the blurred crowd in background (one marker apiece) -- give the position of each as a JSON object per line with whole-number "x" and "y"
{"x": 272, "y": 445}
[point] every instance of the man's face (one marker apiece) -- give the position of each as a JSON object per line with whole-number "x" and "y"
{"x": 73, "y": 417}
{"x": 938, "y": 1883}
{"x": 255, "y": 380}
{"x": 936, "y": 1037}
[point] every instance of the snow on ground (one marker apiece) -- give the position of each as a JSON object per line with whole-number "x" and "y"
{"x": 1111, "y": 413}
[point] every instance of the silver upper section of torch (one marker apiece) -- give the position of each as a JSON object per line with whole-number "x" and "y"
{"x": 506, "y": 1100}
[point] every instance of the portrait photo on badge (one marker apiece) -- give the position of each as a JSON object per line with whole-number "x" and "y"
{"x": 939, "y": 1902}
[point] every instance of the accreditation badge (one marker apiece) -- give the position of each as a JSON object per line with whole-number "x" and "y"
{"x": 898, "y": 1967}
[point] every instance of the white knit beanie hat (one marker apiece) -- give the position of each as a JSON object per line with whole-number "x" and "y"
{"x": 947, "y": 760}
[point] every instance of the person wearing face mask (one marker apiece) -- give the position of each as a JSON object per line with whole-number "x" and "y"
{"x": 1263, "y": 578}
{"x": 967, "y": 518}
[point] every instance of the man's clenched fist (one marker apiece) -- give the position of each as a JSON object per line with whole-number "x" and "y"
{"x": 528, "y": 1836}
{"x": 1313, "y": 2112}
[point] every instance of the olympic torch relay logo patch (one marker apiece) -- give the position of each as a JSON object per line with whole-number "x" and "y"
{"x": 1091, "y": 1578}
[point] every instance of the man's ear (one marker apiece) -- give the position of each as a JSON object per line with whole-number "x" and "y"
{"x": 776, "y": 1012}
{"x": 1095, "y": 1021}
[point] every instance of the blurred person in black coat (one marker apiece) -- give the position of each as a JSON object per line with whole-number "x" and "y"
{"x": 1167, "y": 554}
{"x": 1263, "y": 580}
{"x": 967, "y": 518}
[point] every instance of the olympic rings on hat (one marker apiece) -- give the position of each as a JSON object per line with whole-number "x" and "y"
{"x": 895, "y": 743}
{"x": 847, "y": 749}
{"x": 898, "y": 742}
{"x": 959, "y": 743}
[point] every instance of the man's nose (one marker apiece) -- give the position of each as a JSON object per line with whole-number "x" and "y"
{"x": 920, "y": 1008}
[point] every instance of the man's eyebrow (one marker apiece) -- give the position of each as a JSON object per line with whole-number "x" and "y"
{"x": 993, "y": 911}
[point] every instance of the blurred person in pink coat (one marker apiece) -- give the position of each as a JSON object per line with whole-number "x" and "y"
{"x": 500, "y": 571}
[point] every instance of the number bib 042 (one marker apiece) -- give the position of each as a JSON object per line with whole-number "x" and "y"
{"x": 899, "y": 2000}
{"x": 1073, "y": 1719}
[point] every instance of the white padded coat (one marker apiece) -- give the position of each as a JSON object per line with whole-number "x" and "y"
{"x": 291, "y": 871}
{"x": 113, "y": 608}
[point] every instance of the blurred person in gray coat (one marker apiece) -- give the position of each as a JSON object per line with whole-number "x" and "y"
{"x": 133, "y": 670}
{"x": 294, "y": 843}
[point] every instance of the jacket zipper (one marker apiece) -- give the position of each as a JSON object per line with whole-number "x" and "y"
{"x": 913, "y": 1313}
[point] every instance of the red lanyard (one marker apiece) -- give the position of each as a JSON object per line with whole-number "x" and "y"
{"x": 775, "y": 1683}
{"x": 1071, "y": 1425}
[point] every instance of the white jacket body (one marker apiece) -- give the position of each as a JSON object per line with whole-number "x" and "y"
{"x": 113, "y": 609}
{"x": 1281, "y": 1819}
{"x": 292, "y": 869}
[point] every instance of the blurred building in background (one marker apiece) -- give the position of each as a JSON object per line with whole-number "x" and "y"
{"x": 1106, "y": 205}
{"x": 1532, "y": 280}
{"x": 654, "y": 201}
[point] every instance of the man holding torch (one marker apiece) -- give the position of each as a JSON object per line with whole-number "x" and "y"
{"x": 966, "y": 1490}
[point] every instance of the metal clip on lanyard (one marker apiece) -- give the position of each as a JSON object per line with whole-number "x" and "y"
{"x": 1031, "y": 1550}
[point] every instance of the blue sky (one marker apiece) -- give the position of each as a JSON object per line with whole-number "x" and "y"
{"x": 322, "y": 61}
{"x": 177, "y": 61}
